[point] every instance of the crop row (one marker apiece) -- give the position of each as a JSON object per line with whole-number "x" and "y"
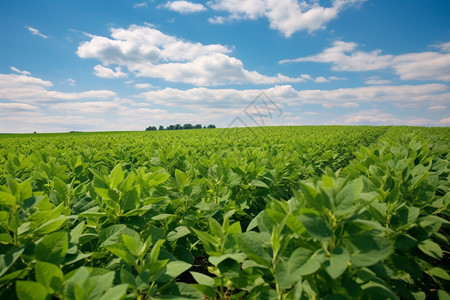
{"x": 256, "y": 213}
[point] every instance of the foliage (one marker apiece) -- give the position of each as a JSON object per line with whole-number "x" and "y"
{"x": 249, "y": 213}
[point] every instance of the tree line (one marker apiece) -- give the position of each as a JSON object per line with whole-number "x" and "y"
{"x": 180, "y": 127}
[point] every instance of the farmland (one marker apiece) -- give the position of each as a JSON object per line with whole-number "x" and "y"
{"x": 320, "y": 212}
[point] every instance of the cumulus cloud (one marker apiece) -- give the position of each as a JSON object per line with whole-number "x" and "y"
{"x": 105, "y": 72}
{"x": 147, "y": 52}
{"x": 22, "y": 88}
{"x": 34, "y": 31}
{"x": 344, "y": 56}
{"x": 184, "y": 7}
{"x": 286, "y": 16}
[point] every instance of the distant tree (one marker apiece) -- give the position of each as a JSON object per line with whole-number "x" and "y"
{"x": 211, "y": 126}
{"x": 204, "y": 127}
{"x": 35, "y": 132}
{"x": 150, "y": 128}
{"x": 161, "y": 127}
{"x": 198, "y": 126}
{"x": 188, "y": 126}
{"x": 171, "y": 127}
{"x": 178, "y": 127}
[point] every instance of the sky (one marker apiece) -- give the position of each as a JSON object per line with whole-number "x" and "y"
{"x": 128, "y": 64}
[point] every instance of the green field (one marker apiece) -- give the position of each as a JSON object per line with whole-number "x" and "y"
{"x": 313, "y": 212}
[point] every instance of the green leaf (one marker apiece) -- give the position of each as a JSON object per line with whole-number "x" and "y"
{"x": 30, "y": 290}
{"x": 338, "y": 262}
{"x": 173, "y": 270}
{"x": 116, "y": 177}
{"x": 52, "y": 248}
{"x": 8, "y": 259}
{"x": 289, "y": 272}
{"x": 316, "y": 227}
{"x": 259, "y": 183}
{"x": 116, "y": 293}
{"x": 182, "y": 179}
{"x": 251, "y": 244}
{"x": 5, "y": 238}
{"x": 369, "y": 250}
{"x": 49, "y": 276}
{"x": 229, "y": 268}
{"x": 52, "y": 225}
{"x": 439, "y": 272}
{"x": 179, "y": 232}
{"x": 7, "y": 199}
{"x": 346, "y": 197}
{"x": 113, "y": 234}
{"x": 203, "y": 279}
{"x": 430, "y": 248}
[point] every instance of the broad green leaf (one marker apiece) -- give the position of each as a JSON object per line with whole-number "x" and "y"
{"x": 30, "y": 290}
{"x": 52, "y": 248}
{"x": 182, "y": 179}
{"x": 251, "y": 244}
{"x": 49, "y": 275}
{"x": 368, "y": 250}
{"x": 346, "y": 197}
{"x": 179, "y": 232}
{"x": 203, "y": 279}
{"x": 288, "y": 273}
{"x": 7, "y": 199}
{"x": 439, "y": 272}
{"x": 215, "y": 260}
{"x": 116, "y": 177}
{"x": 431, "y": 248}
{"x": 115, "y": 293}
{"x": 52, "y": 225}
{"x": 338, "y": 262}
{"x": 259, "y": 183}
{"x": 229, "y": 268}
{"x": 316, "y": 227}
{"x": 113, "y": 234}
{"x": 8, "y": 259}
{"x": 173, "y": 270}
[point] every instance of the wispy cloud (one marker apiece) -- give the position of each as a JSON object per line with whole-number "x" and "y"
{"x": 19, "y": 71}
{"x": 140, "y": 5}
{"x": 34, "y": 31}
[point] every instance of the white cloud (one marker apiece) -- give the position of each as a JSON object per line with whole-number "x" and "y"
{"x": 8, "y": 108}
{"x": 34, "y": 31}
{"x": 444, "y": 47}
{"x": 105, "y": 72}
{"x": 140, "y": 5}
{"x": 143, "y": 86}
{"x": 445, "y": 121}
{"x": 374, "y": 80}
{"x": 99, "y": 107}
{"x": 411, "y": 96}
{"x": 437, "y": 107}
{"x": 286, "y": 16}
{"x": 72, "y": 82}
{"x": 14, "y": 69}
{"x": 411, "y": 66}
{"x": 21, "y": 88}
{"x": 184, "y": 7}
{"x": 147, "y": 52}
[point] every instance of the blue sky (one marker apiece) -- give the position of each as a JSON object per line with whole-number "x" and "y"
{"x": 124, "y": 65}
